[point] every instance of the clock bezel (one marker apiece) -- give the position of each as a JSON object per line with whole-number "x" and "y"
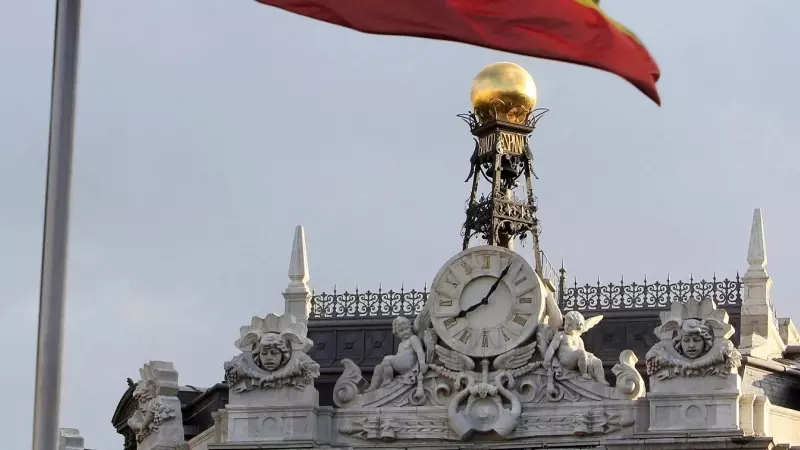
{"x": 500, "y": 257}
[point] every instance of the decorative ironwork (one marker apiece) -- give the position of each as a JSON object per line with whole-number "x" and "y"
{"x": 339, "y": 305}
{"x": 597, "y": 297}
{"x": 657, "y": 295}
{"x": 549, "y": 274}
{"x": 475, "y": 121}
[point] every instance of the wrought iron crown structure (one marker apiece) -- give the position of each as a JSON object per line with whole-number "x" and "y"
{"x": 502, "y": 157}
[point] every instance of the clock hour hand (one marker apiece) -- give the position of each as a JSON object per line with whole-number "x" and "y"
{"x": 485, "y": 299}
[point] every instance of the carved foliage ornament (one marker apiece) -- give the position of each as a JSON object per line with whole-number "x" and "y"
{"x": 695, "y": 341}
{"x": 151, "y": 411}
{"x": 274, "y": 355}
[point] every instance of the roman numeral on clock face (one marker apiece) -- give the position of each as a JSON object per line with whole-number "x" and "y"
{"x": 520, "y": 281}
{"x": 505, "y": 334}
{"x": 450, "y": 322}
{"x": 487, "y": 262}
{"x": 449, "y": 279}
{"x": 465, "y": 335}
{"x": 485, "y": 340}
{"x": 444, "y": 301}
{"x": 519, "y": 320}
{"x": 526, "y": 300}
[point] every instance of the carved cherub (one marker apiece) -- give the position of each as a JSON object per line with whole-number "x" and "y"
{"x": 568, "y": 348}
{"x": 410, "y": 355}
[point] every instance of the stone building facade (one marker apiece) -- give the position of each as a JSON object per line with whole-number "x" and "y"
{"x": 498, "y": 353}
{"x": 748, "y": 398}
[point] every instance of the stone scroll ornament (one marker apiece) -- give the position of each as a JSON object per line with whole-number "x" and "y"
{"x": 151, "y": 410}
{"x": 274, "y": 355}
{"x": 695, "y": 341}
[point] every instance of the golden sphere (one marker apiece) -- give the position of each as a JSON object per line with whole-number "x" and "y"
{"x": 503, "y": 91}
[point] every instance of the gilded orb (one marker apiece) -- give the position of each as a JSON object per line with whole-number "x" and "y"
{"x": 503, "y": 91}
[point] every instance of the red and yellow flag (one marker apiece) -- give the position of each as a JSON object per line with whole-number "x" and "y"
{"x": 575, "y": 31}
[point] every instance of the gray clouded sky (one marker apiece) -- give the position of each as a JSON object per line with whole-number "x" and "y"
{"x": 207, "y": 129}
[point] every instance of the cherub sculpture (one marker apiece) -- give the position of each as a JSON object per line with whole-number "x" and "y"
{"x": 566, "y": 349}
{"x": 410, "y": 356}
{"x": 273, "y": 355}
{"x": 694, "y": 341}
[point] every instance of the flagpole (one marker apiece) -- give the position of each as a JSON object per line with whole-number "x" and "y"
{"x": 56, "y": 226}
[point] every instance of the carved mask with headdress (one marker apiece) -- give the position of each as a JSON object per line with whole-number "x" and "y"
{"x": 271, "y": 353}
{"x": 694, "y": 338}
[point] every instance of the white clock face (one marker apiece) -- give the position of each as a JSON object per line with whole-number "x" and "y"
{"x": 485, "y": 301}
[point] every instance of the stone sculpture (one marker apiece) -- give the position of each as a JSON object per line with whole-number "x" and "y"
{"x": 397, "y": 380}
{"x": 566, "y": 350}
{"x": 467, "y": 395}
{"x": 151, "y": 412}
{"x": 410, "y": 357}
{"x": 486, "y": 394}
{"x": 158, "y": 407}
{"x": 274, "y": 355}
{"x": 694, "y": 341}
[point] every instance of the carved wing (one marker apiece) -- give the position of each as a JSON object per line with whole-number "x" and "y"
{"x": 423, "y": 320}
{"x": 517, "y": 357}
{"x": 429, "y": 338}
{"x": 591, "y": 322}
{"x": 544, "y": 335}
{"x": 454, "y": 360}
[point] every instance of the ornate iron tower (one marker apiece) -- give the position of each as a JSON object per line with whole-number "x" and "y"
{"x": 503, "y": 117}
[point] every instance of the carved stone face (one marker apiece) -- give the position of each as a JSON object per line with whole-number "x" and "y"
{"x": 402, "y": 328}
{"x": 692, "y": 345}
{"x": 270, "y": 357}
{"x": 573, "y": 323}
{"x": 694, "y": 339}
{"x": 272, "y": 352}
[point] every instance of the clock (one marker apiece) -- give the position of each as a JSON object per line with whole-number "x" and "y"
{"x": 486, "y": 301}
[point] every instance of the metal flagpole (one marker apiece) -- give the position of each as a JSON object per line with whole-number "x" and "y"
{"x": 56, "y": 226}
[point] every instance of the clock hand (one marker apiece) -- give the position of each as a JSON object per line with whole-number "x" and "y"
{"x": 497, "y": 283}
{"x": 485, "y": 299}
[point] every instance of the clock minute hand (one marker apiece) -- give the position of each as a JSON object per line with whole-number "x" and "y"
{"x": 485, "y": 299}
{"x": 496, "y": 283}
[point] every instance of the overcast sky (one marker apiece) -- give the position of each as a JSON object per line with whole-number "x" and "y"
{"x": 207, "y": 129}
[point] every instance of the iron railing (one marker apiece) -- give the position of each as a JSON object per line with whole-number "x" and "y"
{"x": 358, "y": 304}
{"x": 647, "y": 295}
{"x": 549, "y": 273}
{"x": 597, "y": 297}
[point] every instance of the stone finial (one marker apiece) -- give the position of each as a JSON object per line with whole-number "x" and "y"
{"x": 298, "y": 264}
{"x": 70, "y": 439}
{"x": 297, "y": 296}
{"x": 757, "y": 251}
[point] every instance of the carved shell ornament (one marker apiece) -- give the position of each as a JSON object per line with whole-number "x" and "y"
{"x": 273, "y": 355}
{"x": 293, "y": 332}
{"x": 695, "y": 340}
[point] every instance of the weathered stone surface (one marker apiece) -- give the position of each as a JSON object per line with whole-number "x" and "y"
{"x": 277, "y": 423}
{"x": 691, "y": 404}
{"x": 70, "y": 439}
